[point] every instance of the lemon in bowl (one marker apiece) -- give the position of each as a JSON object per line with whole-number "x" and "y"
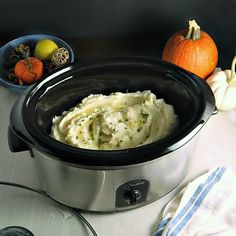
{"x": 45, "y": 48}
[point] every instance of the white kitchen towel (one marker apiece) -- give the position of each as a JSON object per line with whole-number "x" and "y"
{"x": 206, "y": 206}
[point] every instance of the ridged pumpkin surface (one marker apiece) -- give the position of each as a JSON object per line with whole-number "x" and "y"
{"x": 29, "y": 70}
{"x": 199, "y": 56}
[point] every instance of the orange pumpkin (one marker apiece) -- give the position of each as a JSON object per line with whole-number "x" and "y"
{"x": 193, "y": 50}
{"x": 29, "y": 70}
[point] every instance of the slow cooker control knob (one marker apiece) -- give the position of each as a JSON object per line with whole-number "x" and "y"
{"x": 132, "y": 193}
{"x": 132, "y": 196}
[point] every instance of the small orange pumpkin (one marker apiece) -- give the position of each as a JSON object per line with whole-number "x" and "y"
{"x": 193, "y": 50}
{"x": 29, "y": 70}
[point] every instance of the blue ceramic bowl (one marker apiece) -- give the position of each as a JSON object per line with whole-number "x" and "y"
{"x": 6, "y": 49}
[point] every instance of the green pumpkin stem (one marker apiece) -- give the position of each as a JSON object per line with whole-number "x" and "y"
{"x": 28, "y": 63}
{"x": 193, "y": 30}
{"x": 233, "y": 68}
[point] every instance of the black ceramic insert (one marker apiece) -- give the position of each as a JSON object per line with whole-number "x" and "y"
{"x": 31, "y": 118}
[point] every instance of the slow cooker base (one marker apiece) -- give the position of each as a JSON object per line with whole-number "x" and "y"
{"x": 113, "y": 188}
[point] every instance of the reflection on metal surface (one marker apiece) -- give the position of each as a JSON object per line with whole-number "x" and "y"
{"x": 96, "y": 189}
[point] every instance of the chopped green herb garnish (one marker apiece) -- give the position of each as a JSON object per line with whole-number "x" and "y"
{"x": 139, "y": 129}
{"x": 144, "y": 114}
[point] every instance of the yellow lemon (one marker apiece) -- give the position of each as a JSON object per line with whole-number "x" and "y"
{"x": 44, "y": 49}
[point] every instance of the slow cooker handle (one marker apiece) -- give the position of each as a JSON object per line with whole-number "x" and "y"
{"x": 15, "y": 143}
{"x": 215, "y": 111}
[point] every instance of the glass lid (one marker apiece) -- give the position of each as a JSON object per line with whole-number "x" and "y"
{"x": 27, "y": 213}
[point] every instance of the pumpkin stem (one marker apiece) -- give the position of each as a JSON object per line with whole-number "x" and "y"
{"x": 29, "y": 64}
{"x": 27, "y": 57}
{"x": 193, "y": 30}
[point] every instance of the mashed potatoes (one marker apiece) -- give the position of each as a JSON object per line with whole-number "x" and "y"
{"x": 117, "y": 121}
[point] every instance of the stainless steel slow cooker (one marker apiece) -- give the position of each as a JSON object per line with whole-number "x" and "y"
{"x": 119, "y": 179}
